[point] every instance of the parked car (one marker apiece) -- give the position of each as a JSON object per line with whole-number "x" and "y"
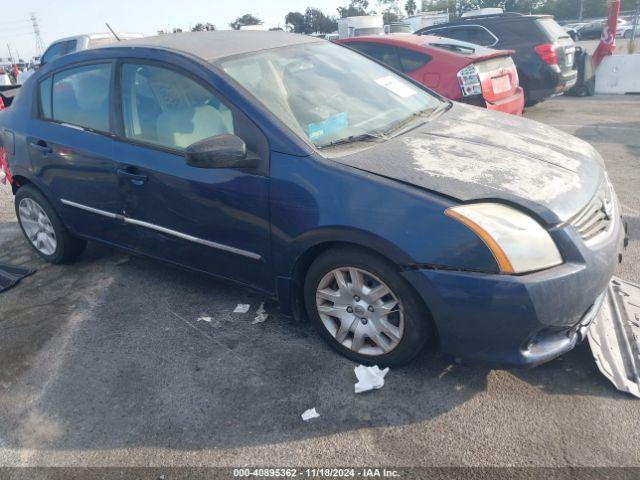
{"x": 355, "y": 196}
{"x": 590, "y": 30}
{"x": 544, "y": 51}
{"x": 625, "y": 29}
{"x": 456, "y": 70}
{"x": 77, "y": 43}
{"x": 572, "y": 29}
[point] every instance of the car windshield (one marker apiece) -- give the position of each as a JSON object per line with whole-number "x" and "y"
{"x": 329, "y": 94}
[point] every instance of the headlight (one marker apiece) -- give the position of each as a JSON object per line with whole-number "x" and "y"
{"x": 518, "y": 243}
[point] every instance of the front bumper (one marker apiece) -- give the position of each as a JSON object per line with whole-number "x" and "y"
{"x": 521, "y": 320}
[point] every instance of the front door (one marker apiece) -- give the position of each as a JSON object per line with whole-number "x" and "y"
{"x": 213, "y": 220}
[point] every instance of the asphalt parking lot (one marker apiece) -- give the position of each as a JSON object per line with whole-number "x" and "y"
{"x": 111, "y": 362}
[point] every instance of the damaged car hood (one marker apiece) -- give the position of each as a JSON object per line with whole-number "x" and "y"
{"x": 470, "y": 153}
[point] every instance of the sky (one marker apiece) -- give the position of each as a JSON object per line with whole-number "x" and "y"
{"x": 64, "y": 18}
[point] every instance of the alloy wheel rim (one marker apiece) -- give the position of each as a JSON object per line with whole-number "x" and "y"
{"x": 37, "y": 226}
{"x": 360, "y": 311}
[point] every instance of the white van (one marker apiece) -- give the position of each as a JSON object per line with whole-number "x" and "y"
{"x": 82, "y": 42}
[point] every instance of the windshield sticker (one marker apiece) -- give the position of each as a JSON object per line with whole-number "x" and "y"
{"x": 328, "y": 126}
{"x": 396, "y": 86}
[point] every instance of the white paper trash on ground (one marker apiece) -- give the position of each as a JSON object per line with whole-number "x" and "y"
{"x": 261, "y": 314}
{"x": 309, "y": 414}
{"x": 369, "y": 378}
{"x": 242, "y": 308}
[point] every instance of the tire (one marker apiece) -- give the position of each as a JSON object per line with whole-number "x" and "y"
{"x": 43, "y": 228}
{"x": 363, "y": 335}
{"x": 627, "y": 34}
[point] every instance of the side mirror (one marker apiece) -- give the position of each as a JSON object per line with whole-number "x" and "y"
{"x": 221, "y": 151}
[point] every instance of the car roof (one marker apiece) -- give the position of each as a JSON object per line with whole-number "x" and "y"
{"x": 213, "y": 45}
{"x": 492, "y": 18}
{"x": 429, "y": 42}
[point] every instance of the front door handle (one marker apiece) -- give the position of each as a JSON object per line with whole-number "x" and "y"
{"x": 135, "y": 178}
{"x": 41, "y": 146}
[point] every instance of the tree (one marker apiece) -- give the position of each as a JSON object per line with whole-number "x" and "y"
{"x": 410, "y": 7}
{"x": 317, "y": 22}
{"x": 390, "y": 11}
{"x": 297, "y": 21}
{"x": 244, "y": 20}
{"x": 354, "y": 9}
{"x": 312, "y": 20}
{"x": 203, "y": 27}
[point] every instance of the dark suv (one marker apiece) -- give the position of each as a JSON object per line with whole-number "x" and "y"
{"x": 544, "y": 51}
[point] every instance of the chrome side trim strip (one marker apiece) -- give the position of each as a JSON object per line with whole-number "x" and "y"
{"x": 193, "y": 239}
{"x": 168, "y": 231}
{"x": 89, "y": 209}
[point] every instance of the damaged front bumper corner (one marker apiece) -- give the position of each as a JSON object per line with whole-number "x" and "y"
{"x": 614, "y": 336}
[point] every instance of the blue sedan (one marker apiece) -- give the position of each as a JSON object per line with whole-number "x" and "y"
{"x": 385, "y": 214}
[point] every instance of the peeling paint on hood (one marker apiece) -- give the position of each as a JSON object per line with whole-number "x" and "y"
{"x": 470, "y": 153}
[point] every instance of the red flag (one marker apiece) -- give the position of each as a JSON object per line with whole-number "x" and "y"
{"x": 608, "y": 38}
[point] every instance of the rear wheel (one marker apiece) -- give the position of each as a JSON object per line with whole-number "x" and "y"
{"x": 627, "y": 34}
{"x": 43, "y": 228}
{"x": 364, "y": 309}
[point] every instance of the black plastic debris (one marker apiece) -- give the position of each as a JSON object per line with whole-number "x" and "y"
{"x": 614, "y": 336}
{"x": 11, "y": 275}
{"x": 586, "y": 81}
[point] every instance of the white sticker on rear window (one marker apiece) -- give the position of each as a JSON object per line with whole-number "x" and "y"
{"x": 396, "y": 86}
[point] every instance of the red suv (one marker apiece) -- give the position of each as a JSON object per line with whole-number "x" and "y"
{"x": 457, "y": 70}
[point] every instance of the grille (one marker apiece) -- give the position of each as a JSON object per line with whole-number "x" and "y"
{"x": 597, "y": 216}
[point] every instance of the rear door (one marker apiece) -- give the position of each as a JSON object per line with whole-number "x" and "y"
{"x": 71, "y": 149}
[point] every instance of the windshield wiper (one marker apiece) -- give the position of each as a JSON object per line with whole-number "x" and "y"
{"x": 363, "y": 137}
{"x": 427, "y": 113}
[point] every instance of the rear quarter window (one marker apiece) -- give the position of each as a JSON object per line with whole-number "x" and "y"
{"x": 519, "y": 31}
{"x": 551, "y": 28}
{"x": 412, "y": 60}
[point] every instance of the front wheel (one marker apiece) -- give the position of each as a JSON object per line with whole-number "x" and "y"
{"x": 43, "y": 228}
{"x": 364, "y": 309}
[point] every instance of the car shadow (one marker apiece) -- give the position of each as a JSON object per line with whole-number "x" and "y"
{"x": 129, "y": 352}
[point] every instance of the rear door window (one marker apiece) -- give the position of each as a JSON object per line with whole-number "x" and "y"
{"x": 382, "y": 53}
{"x": 80, "y": 96}
{"x": 472, "y": 34}
{"x": 410, "y": 60}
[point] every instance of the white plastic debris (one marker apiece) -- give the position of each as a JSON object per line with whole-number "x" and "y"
{"x": 309, "y": 414}
{"x": 261, "y": 314}
{"x": 369, "y": 378}
{"x": 242, "y": 308}
{"x": 204, "y": 318}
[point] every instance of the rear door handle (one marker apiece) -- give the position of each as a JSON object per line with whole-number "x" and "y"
{"x": 134, "y": 178}
{"x": 41, "y": 146}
